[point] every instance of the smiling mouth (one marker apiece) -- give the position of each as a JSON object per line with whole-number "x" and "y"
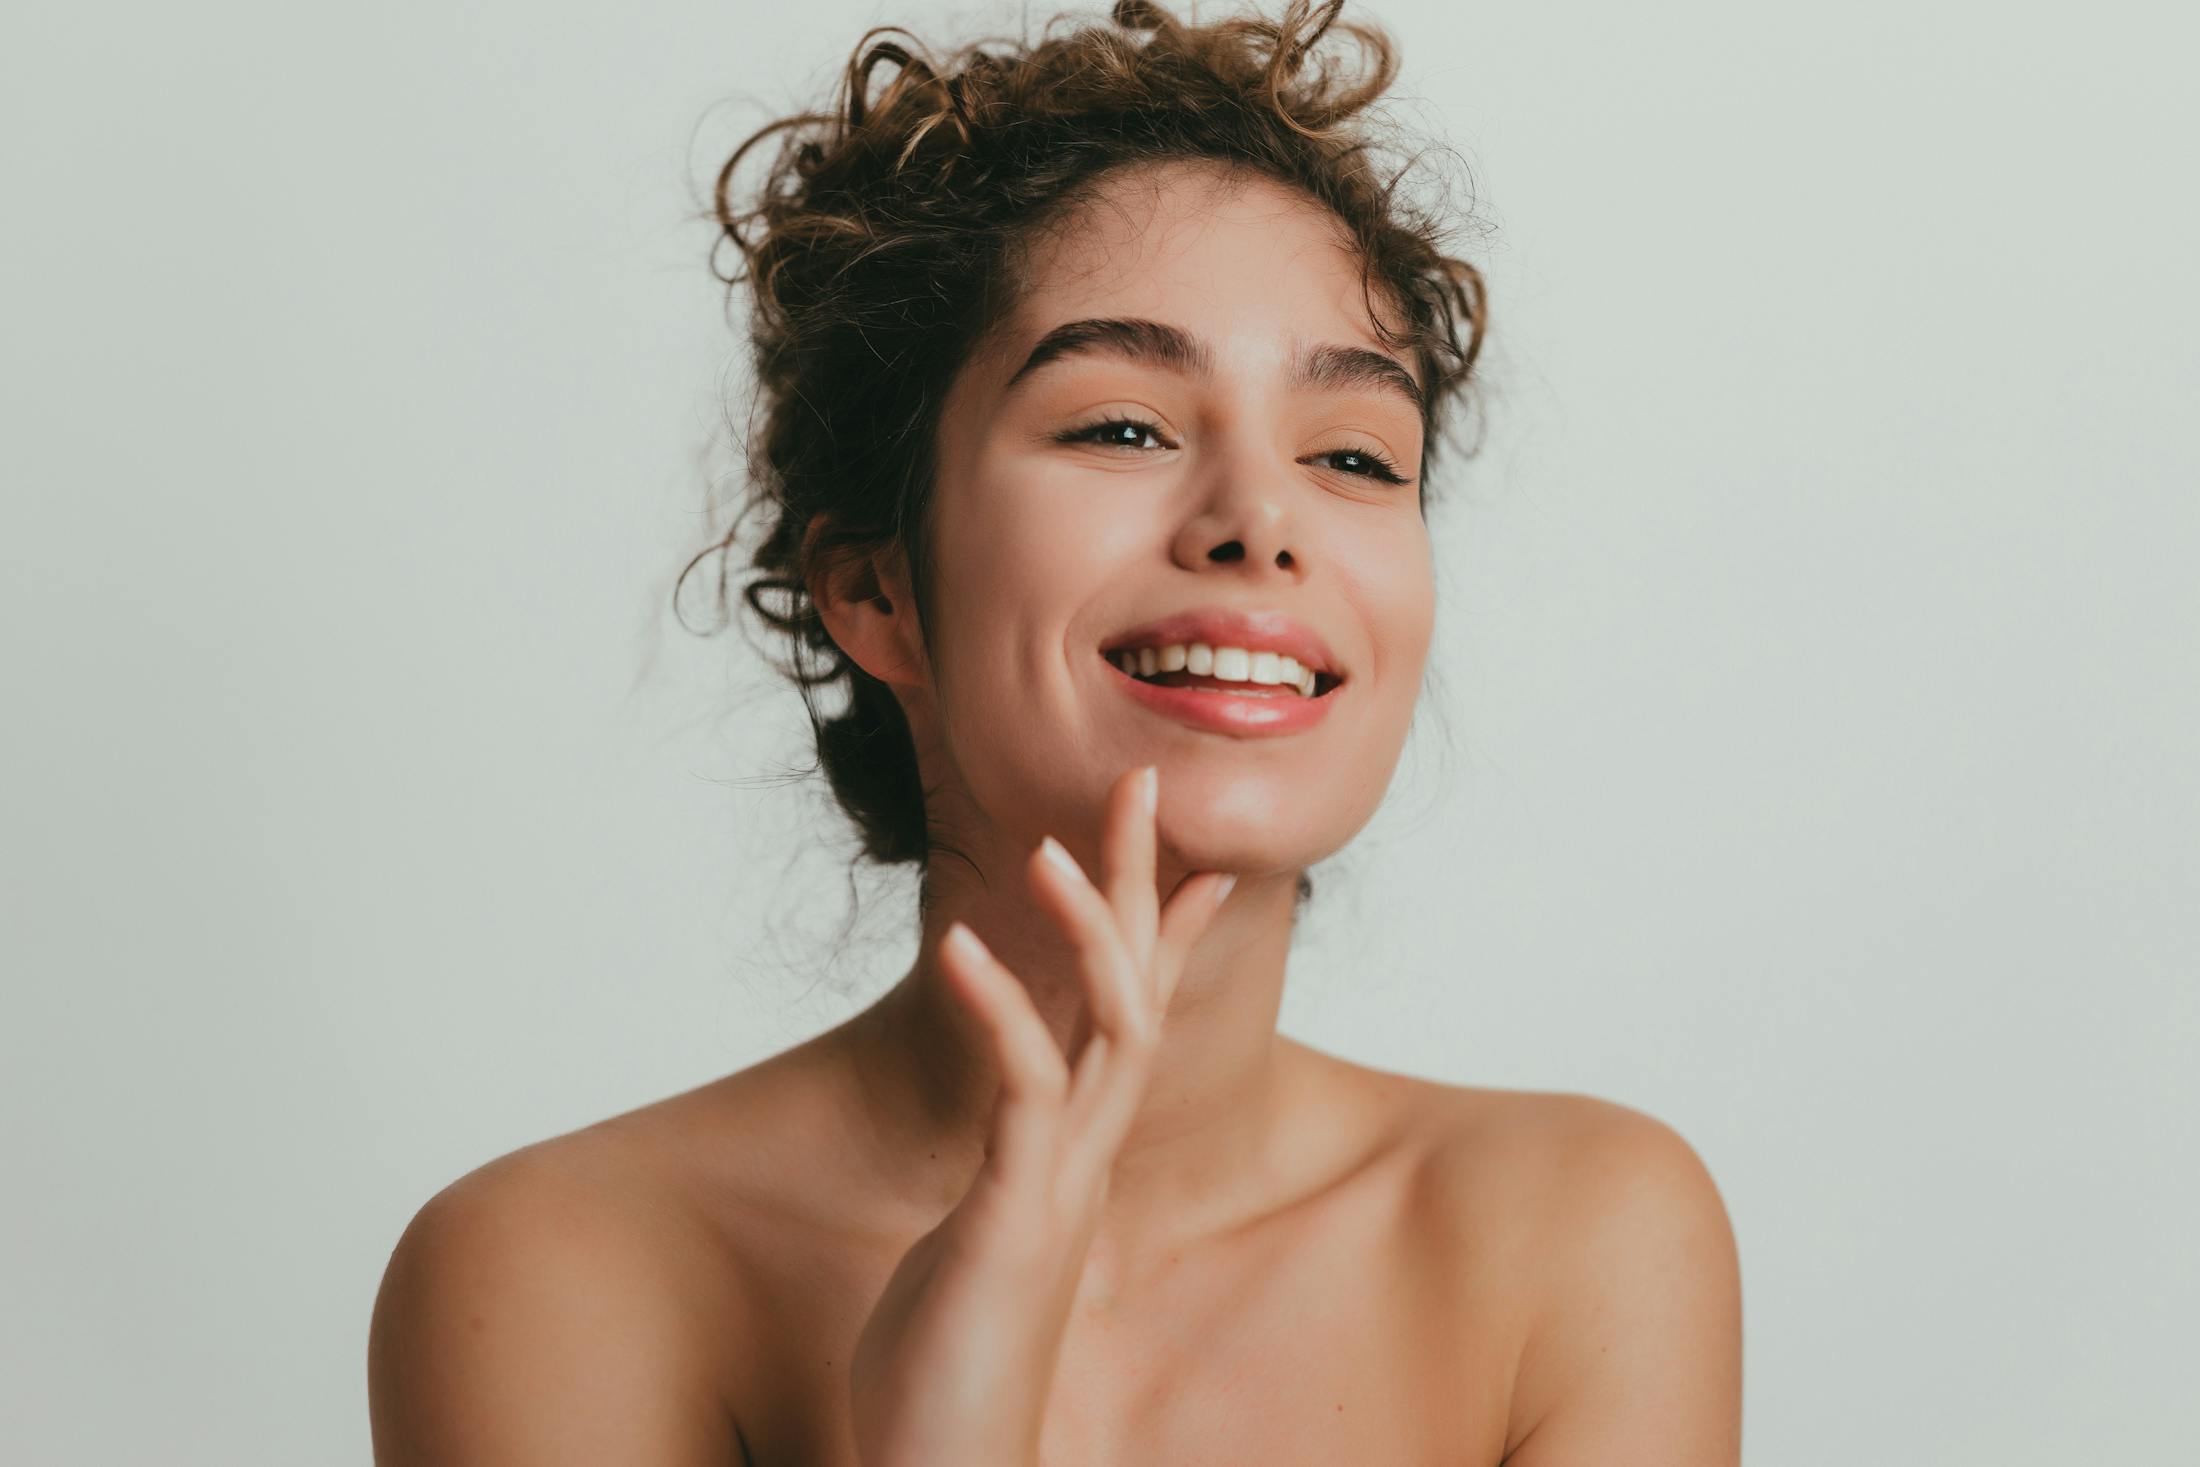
{"x": 1128, "y": 661}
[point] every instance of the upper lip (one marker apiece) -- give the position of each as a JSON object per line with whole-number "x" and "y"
{"x": 1227, "y": 626}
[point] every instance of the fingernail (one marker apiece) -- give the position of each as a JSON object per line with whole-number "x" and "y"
{"x": 1052, "y": 849}
{"x": 1222, "y": 888}
{"x": 1150, "y": 787}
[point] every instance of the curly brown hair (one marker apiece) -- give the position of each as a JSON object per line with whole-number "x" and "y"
{"x": 882, "y": 244}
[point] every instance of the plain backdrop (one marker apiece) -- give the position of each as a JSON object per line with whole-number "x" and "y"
{"x": 1809, "y": 758}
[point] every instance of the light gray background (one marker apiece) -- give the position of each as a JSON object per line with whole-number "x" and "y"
{"x": 1811, "y": 763}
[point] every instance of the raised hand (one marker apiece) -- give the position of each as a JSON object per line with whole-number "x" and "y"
{"x": 955, "y": 1363}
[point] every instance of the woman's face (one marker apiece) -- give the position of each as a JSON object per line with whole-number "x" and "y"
{"x": 1227, "y": 460}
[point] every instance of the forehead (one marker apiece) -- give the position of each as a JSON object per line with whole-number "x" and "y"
{"x": 1234, "y": 257}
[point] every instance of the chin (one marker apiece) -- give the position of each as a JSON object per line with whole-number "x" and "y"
{"x": 1253, "y": 839}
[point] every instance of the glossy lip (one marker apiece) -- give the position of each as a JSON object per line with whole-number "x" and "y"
{"x": 1254, "y": 715}
{"x": 1225, "y": 626}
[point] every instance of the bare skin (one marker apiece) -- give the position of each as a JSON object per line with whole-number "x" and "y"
{"x": 728, "y": 1245}
{"x": 1297, "y": 1259}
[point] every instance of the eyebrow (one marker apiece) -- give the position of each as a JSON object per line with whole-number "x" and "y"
{"x": 1330, "y": 367}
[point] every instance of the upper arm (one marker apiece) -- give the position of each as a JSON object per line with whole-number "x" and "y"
{"x": 1634, "y": 1354}
{"x": 526, "y": 1318}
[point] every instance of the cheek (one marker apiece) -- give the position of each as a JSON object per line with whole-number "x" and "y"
{"x": 1035, "y": 543}
{"x": 1413, "y": 614}
{"x": 1392, "y": 582}
{"x": 1019, "y": 558}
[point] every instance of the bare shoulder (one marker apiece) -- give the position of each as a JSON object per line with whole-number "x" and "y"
{"x": 1564, "y": 1150}
{"x": 563, "y": 1303}
{"x": 1629, "y": 1284}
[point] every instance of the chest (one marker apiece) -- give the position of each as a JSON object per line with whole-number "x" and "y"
{"x": 1296, "y": 1345}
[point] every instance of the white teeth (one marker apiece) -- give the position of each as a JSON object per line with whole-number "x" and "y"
{"x": 1232, "y": 664}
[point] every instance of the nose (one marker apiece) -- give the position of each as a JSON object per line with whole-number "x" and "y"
{"x": 1245, "y": 519}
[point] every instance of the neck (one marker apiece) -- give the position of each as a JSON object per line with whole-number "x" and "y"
{"x": 1199, "y": 1146}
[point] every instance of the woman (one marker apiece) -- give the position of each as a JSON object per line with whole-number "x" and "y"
{"x": 1099, "y": 377}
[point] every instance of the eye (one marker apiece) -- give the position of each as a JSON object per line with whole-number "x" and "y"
{"x": 1126, "y": 433}
{"x": 1113, "y": 433}
{"x": 1368, "y": 464}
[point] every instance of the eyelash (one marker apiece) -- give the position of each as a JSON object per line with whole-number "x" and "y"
{"x": 1384, "y": 470}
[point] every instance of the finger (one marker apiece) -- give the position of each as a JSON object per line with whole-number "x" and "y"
{"x": 1034, "y": 1079}
{"x": 1128, "y": 856}
{"x": 1101, "y": 1107}
{"x": 1105, "y": 1092}
{"x": 1095, "y": 1062}
{"x": 1104, "y": 965}
{"x": 1104, "y": 1102}
{"x": 1191, "y": 909}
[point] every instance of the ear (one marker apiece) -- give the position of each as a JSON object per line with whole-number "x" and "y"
{"x": 865, "y": 601}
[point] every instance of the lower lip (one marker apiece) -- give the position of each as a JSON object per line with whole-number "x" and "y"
{"x": 1253, "y": 714}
